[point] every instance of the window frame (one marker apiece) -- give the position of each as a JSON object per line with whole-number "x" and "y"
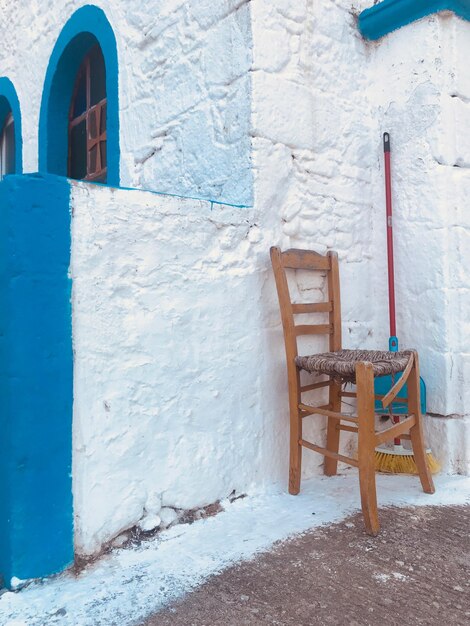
{"x": 9, "y": 121}
{"x": 97, "y": 110}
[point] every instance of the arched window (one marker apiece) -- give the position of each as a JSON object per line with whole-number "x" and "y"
{"x": 7, "y": 147}
{"x": 71, "y": 90}
{"x": 87, "y": 158}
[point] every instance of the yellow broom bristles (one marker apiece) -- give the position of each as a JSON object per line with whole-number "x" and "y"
{"x": 402, "y": 463}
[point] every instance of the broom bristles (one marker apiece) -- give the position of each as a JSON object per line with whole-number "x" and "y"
{"x": 389, "y": 463}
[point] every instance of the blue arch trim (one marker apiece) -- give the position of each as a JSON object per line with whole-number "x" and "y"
{"x": 9, "y": 103}
{"x": 86, "y": 27}
{"x": 390, "y": 15}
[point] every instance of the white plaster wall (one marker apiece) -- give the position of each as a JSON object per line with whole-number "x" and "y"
{"x": 184, "y": 88}
{"x": 449, "y": 437}
{"x": 409, "y": 94}
{"x": 168, "y": 321}
{"x": 169, "y": 435}
{"x": 322, "y": 98}
{"x": 180, "y": 389}
{"x": 423, "y": 98}
{"x": 314, "y": 155}
{"x": 456, "y": 193}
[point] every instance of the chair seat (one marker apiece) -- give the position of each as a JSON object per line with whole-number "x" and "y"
{"x": 342, "y": 364}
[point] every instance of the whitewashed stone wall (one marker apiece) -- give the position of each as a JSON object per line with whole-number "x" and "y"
{"x": 453, "y": 435}
{"x": 188, "y": 433}
{"x": 314, "y": 155}
{"x": 168, "y": 323}
{"x": 423, "y": 97}
{"x": 320, "y": 106}
{"x": 180, "y": 390}
{"x": 184, "y": 88}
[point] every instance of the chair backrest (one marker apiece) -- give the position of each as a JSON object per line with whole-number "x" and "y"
{"x": 307, "y": 260}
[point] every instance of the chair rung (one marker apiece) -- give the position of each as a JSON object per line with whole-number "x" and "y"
{"x": 324, "y": 407}
{"x": 396, "y": 399}
{"x": 312, "y": 410}
{"x": 353, "y": 394}
{"x": 314, "y": 329}
{"x": 312, "y": 307}
{"x": 324, "y": 383}
{"x": 348, "y": 394}
{"x": 325, "y": 452}
{"x": 395, "y": 431}
{"x": 350, "y": 429}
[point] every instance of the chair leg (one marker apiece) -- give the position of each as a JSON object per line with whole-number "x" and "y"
{"x": 295, "y": 449}
{"x": 416, "y": 432}
{"x": 366, "y": 446}
{"x": 330, "y": 466}
{"x": 295, "y": 456}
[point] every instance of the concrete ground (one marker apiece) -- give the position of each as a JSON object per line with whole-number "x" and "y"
{"x": 273, "y": 558}
{"x": 417, "y": 571}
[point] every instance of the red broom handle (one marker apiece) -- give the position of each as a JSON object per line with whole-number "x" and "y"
{"x": 391, "y": 270}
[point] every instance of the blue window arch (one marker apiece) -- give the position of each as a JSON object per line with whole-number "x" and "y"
{"x": 9, "y": 103}
{"x": 87, "y": 27}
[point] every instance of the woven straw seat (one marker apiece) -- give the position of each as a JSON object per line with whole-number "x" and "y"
{"x": 341, "y": 364}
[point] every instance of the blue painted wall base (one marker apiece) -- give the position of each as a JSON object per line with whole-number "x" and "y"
{"x": 36, "y": 513}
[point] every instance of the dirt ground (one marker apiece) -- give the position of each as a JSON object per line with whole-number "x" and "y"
{"x": 417, "y": 571}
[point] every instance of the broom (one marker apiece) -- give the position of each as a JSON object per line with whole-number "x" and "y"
{"x": 395, "y": 460}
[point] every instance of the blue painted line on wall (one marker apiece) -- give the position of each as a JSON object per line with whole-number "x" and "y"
{"x": 36, "y": 378}
{"x": 389, "y": 15}
{"x": 9, "y": 103}
{"x": 86, "y": 27}
{"x": 177, "y": 195}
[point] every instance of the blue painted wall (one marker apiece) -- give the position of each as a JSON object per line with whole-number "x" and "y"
{"x": 389, "y": 15}
{"x": 85, "y": 28}
{"x": 36, "y": 368}
{"x": 9, "y": 102}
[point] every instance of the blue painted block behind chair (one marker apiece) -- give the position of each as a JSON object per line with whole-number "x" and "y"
{"x": 36, "y": 378}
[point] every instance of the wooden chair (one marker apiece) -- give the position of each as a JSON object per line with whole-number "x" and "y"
{"x": 355, "y": 366}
